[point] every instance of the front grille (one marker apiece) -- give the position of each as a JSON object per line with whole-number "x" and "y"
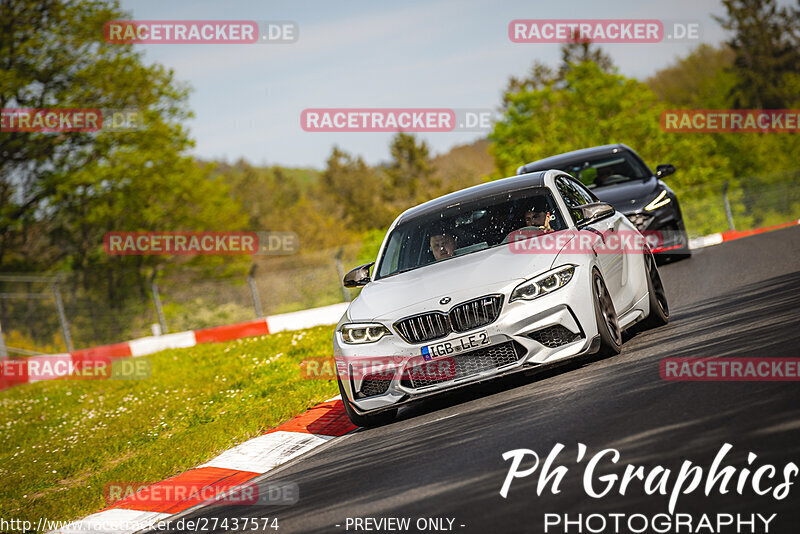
{"x": 475, "y": 313}
{"x": 466, "y": 364}
{"x": 554, "y": 336}
{"x": 375, "y": 385}
{"x": 461, "y": 318}
{"x": 425, "y": 327}
{"x": 640, "y": 220}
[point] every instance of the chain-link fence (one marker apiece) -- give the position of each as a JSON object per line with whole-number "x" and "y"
{"x": 742, "y": 203}
{"x": 56, "y": 313}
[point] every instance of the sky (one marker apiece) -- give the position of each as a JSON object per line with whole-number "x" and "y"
{"x": 247, "y": 99}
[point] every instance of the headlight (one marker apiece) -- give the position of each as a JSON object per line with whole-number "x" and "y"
{"x": 543, "y": 284}
{"x": 359, "y": 333}
{"x": 661, "y": 200}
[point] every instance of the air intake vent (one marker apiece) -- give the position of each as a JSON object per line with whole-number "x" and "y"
{"x": 554, "y": 336}
{"x": 640, "y": 220}
{"x": 466, "y": 364}
{"x": 376, "y": 384}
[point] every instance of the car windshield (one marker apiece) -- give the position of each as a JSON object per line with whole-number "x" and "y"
{"x": 606, "y": 170}
{"x": 466, "y": 228}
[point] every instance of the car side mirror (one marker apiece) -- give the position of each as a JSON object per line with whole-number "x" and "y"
{"x": 664, "y": 170}
{"x": 358, "y": 277}
{"x": 594, "y": 212}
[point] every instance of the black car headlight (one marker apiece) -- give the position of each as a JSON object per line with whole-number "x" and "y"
{"x": 360, "y": 333}
{"x": 660, "y": 201}
{"x": 544, "y": 284}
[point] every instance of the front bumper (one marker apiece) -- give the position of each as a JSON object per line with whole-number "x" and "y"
{"x": 550, "y": 328}
{"x": 663, "y": 227}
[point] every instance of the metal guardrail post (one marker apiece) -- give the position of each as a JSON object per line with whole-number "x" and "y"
{"x": 3, "y": 350}
{"x": 157, "y": 302}
{"x": 62, "y": 318}
{"x": 728, "y": 213}
{"x": 251, "y": 280}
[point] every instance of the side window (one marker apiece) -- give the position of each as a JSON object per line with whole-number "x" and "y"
{"x": 572, "y": 196}
{"x": 584, "y": 192}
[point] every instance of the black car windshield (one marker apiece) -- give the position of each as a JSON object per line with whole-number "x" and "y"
{"x": 606, "y": 170}
{"x": 466, "y": 228}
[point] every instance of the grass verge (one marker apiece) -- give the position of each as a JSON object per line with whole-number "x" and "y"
{"x": 62, "y": 441}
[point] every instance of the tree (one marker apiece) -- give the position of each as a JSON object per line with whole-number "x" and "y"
{"x": 592, "y": 107}
{"x": 64, "y": 191}
{"x": 542, "y": 75}
{"x": 766, "y": 44}
{"x": 53, "y": 56}
{"x": 707, "y": 79}
{"x": 353, "y": 190}
{"x": 580, "y": 52}
{"x": 701, "y": 80}
{"x": 409, "y": 171}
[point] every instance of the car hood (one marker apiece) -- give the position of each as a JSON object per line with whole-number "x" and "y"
{"x": 462, "y": 278}
{"x": 630, "y": 196}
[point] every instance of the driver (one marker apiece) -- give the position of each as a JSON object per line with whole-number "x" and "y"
{"x": 603, "y": 176}
{"x": 443, "y": 244}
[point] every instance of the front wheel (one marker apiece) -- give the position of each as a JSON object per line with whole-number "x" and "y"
{"x": 606, "y": 315}
{"x": 367, "y": 420}
{"x": 659, "y": 307}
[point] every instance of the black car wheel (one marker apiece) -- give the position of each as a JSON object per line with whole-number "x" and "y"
{"x": 606, "y": 315}
{"x": 367, "y": 420}
{"x": 659, "y": 307}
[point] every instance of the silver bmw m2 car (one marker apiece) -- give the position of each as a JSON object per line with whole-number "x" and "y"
{"x": 494, "y": 279}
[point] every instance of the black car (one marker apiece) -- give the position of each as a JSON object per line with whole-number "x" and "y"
{"x": 617, "y": 175}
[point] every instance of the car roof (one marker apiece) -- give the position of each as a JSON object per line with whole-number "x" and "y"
{"x": 513, "y": 183}
{"x": 555, "y": 162}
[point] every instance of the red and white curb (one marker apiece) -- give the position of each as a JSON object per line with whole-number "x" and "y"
{"x": 233, "y": 467}
{"x": 730, "y": 235}
{"x": 60, "y": 365}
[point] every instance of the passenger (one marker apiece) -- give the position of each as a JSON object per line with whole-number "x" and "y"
{"x": 538, "y": 217}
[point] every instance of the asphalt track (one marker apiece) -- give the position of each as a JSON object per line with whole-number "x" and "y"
{"x": 443, "y": 458}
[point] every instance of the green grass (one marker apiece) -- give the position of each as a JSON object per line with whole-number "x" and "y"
{"x": 62, "y": 441}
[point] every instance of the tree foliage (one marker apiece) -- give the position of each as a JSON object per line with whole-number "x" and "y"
{"x": 591, "y": 107}
{"x": 766, "y": 43}
{"x": 62, "y": 192}
{"x": 701, "y": 80}
{"x": 409, "y": 170}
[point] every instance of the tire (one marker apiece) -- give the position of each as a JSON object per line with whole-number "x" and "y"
{"x": 682, "y": 253}
{"x": 367, "y": 421}
{"x": 606, "y": 316}
{"x": 659, "y": 306}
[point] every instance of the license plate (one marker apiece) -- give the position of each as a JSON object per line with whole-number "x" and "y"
{"x": 455, "y": 346}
